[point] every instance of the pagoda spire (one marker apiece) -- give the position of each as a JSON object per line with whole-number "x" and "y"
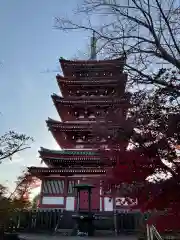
{"x": 93, "y": 47}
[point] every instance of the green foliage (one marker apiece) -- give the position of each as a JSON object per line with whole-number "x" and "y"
{"x": 10, "y": 144}
{"x": 18, "y": 199}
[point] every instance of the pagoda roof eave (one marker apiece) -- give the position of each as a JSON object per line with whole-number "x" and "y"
{"x": 105, "y": 80}
{"x": 59, "y": 77}
{"x": 65, "y": 64}
{"x": 76, "y": 126}
{"x": 69, "y": 152}
{"x": 63, "y": 171}
{"x": 92, "y": 100}
{"x": 77, "y": 161}
{"x": 92, "y": 62}
{"x": 70, "y": 158}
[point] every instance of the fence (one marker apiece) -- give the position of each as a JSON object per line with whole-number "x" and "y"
{"x": 56, "y": 220}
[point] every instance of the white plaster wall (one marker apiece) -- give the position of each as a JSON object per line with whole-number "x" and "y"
{"x": 108, "y": 204}
{"x": 101, "y": 199}
{"x": 101, "y": 204}
{"x": 70, "y": 203}
{"x": 53, "y": 200}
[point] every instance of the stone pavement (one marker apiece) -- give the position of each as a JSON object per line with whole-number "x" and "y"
{"x": 58, "y": 237}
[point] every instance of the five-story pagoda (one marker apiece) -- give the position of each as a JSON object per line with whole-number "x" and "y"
{"x": 90, "y": 89}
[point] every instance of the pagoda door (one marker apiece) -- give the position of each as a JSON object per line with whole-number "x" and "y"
{"x": 95, "y": 197}
{"x": 83, "y": 200}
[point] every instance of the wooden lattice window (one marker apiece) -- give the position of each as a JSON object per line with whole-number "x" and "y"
{"x": 71, "y": 190}
{"x": 53, "y": 186}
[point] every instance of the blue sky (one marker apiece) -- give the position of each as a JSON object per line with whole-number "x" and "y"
{"x": 29, "y": 46}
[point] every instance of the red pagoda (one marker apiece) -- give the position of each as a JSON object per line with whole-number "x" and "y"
{"x": 90, "y": 89}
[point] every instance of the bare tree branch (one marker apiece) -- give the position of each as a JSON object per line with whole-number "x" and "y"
{"x": 11, "y": 143}
{"x": 148, "y": 32}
